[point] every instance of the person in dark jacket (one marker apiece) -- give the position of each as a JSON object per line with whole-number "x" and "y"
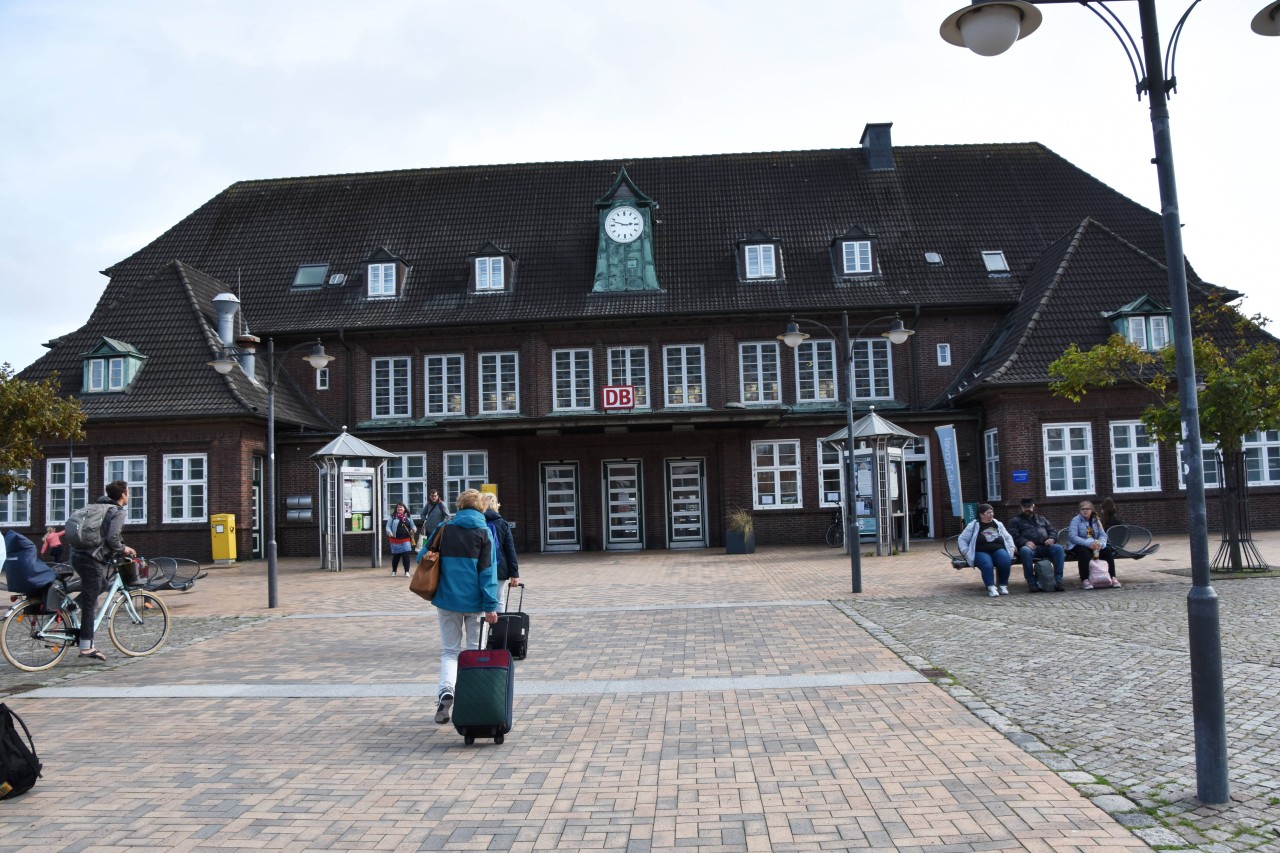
{"x": 1036, "y": 538}
{"x": 93, "y": 566}
{"x": 504, "y": 544}
{"x": 23, "y": 570}
{"x": 467, "y": 593}
{"x": 434, "y": 513}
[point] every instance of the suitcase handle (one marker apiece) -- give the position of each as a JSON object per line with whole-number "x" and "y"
{"x": 506, "y": 608}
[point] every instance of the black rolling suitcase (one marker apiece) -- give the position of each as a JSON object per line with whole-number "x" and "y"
{"x": 484, "y": 693}
{"x": 512, "y": 629}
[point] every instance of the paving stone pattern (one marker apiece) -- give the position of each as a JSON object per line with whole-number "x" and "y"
{"x": 1063, "y": 724}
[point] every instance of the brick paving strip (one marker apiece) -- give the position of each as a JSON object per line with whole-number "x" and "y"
{"x": 671, "y": 700}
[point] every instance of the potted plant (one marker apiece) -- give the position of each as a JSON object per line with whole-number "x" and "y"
{"x": 740, "y": 537}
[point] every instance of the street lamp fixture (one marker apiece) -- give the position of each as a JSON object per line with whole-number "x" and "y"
{"x": 990, "y": 27}
{"x": 897, "y": 333}
{"x": 224, "y": 364}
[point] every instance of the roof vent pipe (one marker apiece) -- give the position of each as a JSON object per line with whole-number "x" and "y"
{"x": 226, "y": 304}
{"x": 879, "y": 146}
{"x": 248, "y": 354}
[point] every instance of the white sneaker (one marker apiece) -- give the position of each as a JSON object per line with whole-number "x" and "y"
{"x": 1004, "y": 590}
{"x": 993, "y": 592}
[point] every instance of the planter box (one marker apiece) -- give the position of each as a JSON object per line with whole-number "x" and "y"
{"x": 739, "y": 543}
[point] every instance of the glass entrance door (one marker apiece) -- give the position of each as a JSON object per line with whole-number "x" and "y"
{"x": 560, "y": 530}
{"x": 686, "y": 488}
{"x": 624, "y": 528}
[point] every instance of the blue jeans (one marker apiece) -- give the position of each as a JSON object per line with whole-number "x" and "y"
{"x": 1030, "y": 553}
{"x": 993, "y": 564}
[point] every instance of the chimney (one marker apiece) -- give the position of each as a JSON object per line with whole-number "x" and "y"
{"x": 248, "y": 354}
{"x": 875, "y": 138}
{"x": 226, "y": 304}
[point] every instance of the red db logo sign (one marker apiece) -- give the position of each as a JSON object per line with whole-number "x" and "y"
{"x": 618, "y": 396}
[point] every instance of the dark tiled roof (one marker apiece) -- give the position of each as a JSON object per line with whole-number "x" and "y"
{"x": 954, "y": 200}
{"x": 167, "y": 316}
{"x": 1088, "y": 272}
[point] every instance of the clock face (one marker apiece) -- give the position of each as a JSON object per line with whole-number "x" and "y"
{"x": 624, "y": 224}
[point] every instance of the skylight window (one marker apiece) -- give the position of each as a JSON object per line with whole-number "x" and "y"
{"x": 995, "y": 262}
{"x": 310, "y": 275}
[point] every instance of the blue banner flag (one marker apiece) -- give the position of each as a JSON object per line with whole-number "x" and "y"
{"x": 951, "y": 464}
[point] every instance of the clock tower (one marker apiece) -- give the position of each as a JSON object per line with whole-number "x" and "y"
{"x": 624, "y": 248}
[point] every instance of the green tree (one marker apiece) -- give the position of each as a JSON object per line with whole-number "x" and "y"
{"x": 31, "y": 412}
{"x": 1239, "y": 366}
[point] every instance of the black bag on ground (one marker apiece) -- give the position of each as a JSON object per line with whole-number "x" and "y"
{"x": 1042, "y": 573}
{"x": 19, "y": 766}
{"x": 511, "y": 631}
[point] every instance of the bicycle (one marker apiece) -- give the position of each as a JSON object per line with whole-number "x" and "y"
{"x": 35, "y": 637}
{"x": 835, "y": 532}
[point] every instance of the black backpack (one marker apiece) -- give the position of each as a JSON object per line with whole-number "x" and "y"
{"x": 19, "y": 766}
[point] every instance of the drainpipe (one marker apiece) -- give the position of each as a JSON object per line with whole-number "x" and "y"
{"x": 346, "y": 378}
{"x": 915, "y": 362}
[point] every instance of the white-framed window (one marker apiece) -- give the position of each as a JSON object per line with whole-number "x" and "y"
{"x": 446, "y": 385}
{"x": 816, "y": 372}
{"x": 830, "y": 474}
{"x": 857, "y": 257}
{"x": 105, "y": 374}
{"x": 391, "y": 384}
{"x": 133, "y": 470}
{"x": 490, "y": 273}
{"x": 405, "y": 482}
{"x": 991, "y": 462}
{"x": 1068, "y": 459}
{"x": 382, "y": 280}
{"x": 944, "y": 355}
{"x": 499, "y": 383}
{"x": 1262, "y": 457}
{"x": 1150, "y": 333}
{"x": 683, "y": 367}
{"x": 760, "y": 261}
{"x": 66, "y": 488}
{"x": 466, "y": 469}
{"x": 630, "y": 366}
{"x": 1211, "y": 465}
{"x": 995, "y": 262}
{"x": 15, "y": 507}
{"x": 1135, "y": 458}
{"x": 759, "y": 374}
{"x": 775, "y": 474}
{"x": 872, "y": 369}
{"x": 185, "y": 488}
{"x": 322, "y": 379}
{"x": 571, "y": 387}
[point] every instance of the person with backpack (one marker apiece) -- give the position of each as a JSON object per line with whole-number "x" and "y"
{"x": 504, "y": 544}
{"x": 400, "y": 533}
{"x": 434, "y": 513}
{"x": 94, "y": 533}
{"x": 1037, "y": 539}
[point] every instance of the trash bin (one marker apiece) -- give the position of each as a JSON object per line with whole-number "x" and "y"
{"x": 222, "y": 528}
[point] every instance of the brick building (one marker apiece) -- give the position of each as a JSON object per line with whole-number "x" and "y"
{"x": 476, "y": 314}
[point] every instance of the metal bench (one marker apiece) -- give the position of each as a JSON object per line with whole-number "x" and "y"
{"x": 951, "y": 547}
{"x": 1127, "y": 541}
{"x": 173, "y": 573}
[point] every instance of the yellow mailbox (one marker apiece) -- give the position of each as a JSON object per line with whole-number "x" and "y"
{"x": 222, "y": 528}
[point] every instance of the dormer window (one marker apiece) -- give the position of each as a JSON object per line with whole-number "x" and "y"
{"x": 382, "y": 280}
{"x": 760, "y": 261}
{"x": 110, "y": 366}
{"x": 759, "y": 258}
{"x": 857, "y": 257}
{"x": 853, "y": 253}
{"x": 1143, "y": 323}
{"x": 995, "y": 262}
{"x": 490, "y": 274}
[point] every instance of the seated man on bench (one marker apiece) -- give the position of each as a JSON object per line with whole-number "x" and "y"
{"x": 1036, "y": 538}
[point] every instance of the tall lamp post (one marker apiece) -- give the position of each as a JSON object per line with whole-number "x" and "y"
{"x": 990, "y": 27}
{"x": 224, "y": 364}
{"x": 897, "y": 333}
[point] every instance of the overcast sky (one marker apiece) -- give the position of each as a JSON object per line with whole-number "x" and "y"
{"x": 122, "y": 117}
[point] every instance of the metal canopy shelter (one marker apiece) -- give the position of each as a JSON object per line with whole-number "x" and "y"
{"x": 882, "y": 442}
{"x": 351, "y": 496}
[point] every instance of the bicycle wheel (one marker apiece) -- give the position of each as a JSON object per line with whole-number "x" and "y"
{"x": 139, "y": 623}
{"x": 835, "y": 534}
{"x": 32, "y": 640}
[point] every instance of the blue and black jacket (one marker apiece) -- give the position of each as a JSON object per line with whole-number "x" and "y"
{"x": 468, "y": 571}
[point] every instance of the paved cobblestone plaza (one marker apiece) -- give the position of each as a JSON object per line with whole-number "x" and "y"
{"x": 670, "y": 699}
